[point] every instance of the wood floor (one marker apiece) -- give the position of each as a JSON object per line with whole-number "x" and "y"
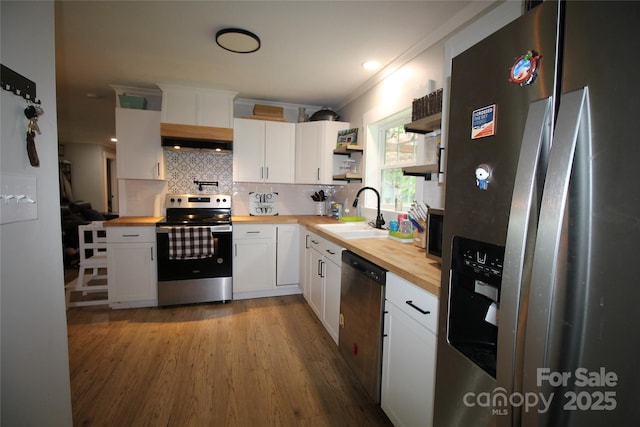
{"x": 260, "y": 362}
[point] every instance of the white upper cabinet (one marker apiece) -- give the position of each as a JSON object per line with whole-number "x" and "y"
{"x": 315, "y": 142}
{"x": 139, "y": 153}
{"x": 263, "y": 151}
{"x": 188, "y": 105}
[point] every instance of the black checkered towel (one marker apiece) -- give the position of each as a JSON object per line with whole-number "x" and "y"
{"x": 190, "y": 243}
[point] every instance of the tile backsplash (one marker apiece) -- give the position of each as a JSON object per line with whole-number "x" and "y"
{"x": 185, "y": 167}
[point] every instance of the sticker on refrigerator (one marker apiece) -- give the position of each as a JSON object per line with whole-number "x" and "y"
{"x": 525, "y": 68}
{"x": 483, "y": 122}
{"x": 483, "y": 175}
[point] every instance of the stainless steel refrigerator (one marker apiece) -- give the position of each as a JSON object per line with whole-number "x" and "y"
{"x": 540, "y": 300}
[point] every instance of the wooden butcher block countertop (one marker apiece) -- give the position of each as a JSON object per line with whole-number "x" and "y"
{"x": 402, "y": 259}
{"x": 132, "y": 221}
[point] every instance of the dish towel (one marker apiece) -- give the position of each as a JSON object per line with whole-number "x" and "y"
{"x": 190, "y": 243}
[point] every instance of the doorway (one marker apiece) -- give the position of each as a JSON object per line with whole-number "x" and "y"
{"x": 111, "y": 192}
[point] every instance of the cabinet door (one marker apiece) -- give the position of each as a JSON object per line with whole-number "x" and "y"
{"x": 279, "y": 152}
{"x": 316, "y": 282}
{"x": 215, "y": 108}
{"x": 305, "y": 260}
{"x": 307, "y": 169}
{"x": 408, "y": 370}
{"x": 287, "y": 255}
{"x": 179, "y": 106}
{"x": 253, "y": 265}
{"x": 248, "y": 150}
{"x": 189, "y": 105}
{"x": 315, "y": 142}
{"x": 131, "y": 272}
{"x": 139, "y": 151}
{"x": 331, "y": 309}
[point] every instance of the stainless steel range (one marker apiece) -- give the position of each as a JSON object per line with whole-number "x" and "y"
{"x": 195, "y": 249}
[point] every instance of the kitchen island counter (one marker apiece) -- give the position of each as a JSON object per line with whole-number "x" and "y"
{"x": 402, "y": 259}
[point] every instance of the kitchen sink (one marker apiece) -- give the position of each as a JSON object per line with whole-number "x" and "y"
{"x": 354, "y": 230}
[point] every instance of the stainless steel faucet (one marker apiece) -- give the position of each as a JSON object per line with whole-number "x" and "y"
{"x": 379, "y": 220}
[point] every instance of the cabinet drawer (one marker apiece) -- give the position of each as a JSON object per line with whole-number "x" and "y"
{"x": 257, "y": 231}
{"x": 332, "y": 252}
{"x": 131, "y": 234}
{"x": 315, "y": 241}
{"x": 414, "y": 301}
{"x": 329, "y": 250}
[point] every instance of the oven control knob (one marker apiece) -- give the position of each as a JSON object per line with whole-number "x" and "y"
{"x": 172, "y": 200}
{"x": 218, "y": 200}
{"x": 179, "y": 200}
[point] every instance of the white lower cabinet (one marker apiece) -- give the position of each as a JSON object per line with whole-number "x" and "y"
{"x": 287, "y": 254}
{"x": 305, "y": 261}
{"x": 254, "y": 257}
{"x": 132, "y": 267}
{"x": 409, "y": 353}
{"x": 331, "y": 306}
{"x": 265, "y": 260}
{"x": 323, "y": 274}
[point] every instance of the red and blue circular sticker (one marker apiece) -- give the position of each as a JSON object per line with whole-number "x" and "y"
{"x": 525, "y": 68}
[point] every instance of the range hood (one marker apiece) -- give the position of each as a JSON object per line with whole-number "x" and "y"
{"x": 191, "y": 137}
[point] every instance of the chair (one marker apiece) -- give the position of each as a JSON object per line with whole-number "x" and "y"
{"x": 93, "y": 257}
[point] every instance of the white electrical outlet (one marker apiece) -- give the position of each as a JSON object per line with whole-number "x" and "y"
{"x": 18, "y": 198}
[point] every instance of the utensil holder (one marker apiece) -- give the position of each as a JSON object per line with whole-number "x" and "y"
{"x": 321, "y": 208}
{"x": 420, "y": 239}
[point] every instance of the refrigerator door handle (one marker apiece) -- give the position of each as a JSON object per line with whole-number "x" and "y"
{"x": 549, "y": 282}
{"x": 521, "y": 229}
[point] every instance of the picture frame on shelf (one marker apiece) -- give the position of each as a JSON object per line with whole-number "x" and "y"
{"x": 347, "y": 137}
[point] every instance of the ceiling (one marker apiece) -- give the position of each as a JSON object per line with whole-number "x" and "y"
{"x": 311, "y": 51}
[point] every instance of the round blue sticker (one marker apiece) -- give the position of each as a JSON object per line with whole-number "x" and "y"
{"x": 525, "y": 68}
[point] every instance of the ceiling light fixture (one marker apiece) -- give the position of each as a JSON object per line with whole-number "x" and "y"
{"x": 237, "y": 40}
{"x": 371, "y": 65}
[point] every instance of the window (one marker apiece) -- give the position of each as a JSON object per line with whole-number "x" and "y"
{"x": 397, "y": 150}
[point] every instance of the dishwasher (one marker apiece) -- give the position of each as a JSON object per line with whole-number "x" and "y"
{"x": 361, "y": 318}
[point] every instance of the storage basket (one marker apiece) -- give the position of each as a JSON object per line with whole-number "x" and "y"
{"x": 133, "y": 101}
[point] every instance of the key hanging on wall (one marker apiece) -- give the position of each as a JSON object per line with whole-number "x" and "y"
{"x": 32, "y": 112}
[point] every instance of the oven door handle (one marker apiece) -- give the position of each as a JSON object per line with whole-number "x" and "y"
{"x": 213, "y": 228}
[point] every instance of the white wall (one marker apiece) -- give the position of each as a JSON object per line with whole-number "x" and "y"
{"x": 393, "y": 94}
{"x": 34, "y": 368}
{"x": 88, "y": 173}
{"x": 410, "y": 80}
